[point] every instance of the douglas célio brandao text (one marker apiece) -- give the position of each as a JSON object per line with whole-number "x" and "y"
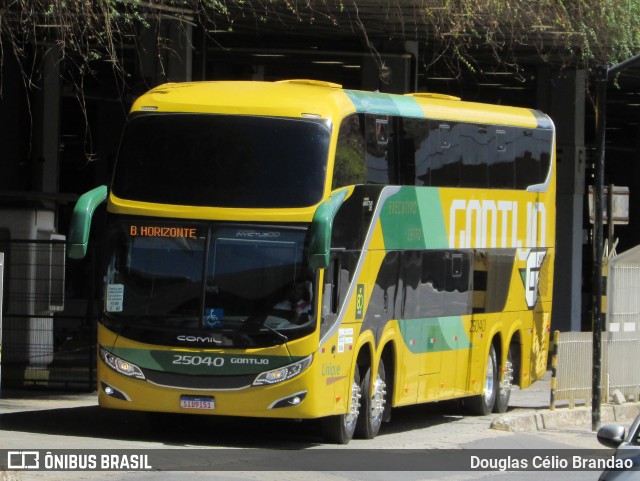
{"x": 533, "y": 462}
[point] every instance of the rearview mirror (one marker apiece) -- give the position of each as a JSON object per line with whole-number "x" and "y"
{"x": 320, "y": 231}
{"x": 611, "y": 435}
{"x": 81, "y": 221}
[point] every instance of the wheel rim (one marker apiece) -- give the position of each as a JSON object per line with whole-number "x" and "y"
{"x": 378, "y": 400}
{"x": 351, "y": 417}
{"x": 489, "y": 380}
{"x": 507, "y": 381}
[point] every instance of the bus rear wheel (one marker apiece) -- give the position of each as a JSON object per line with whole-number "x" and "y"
{"x": 373, "y": 407}
{"x": 483, "y": 403}
{"x": 340, "y": 429}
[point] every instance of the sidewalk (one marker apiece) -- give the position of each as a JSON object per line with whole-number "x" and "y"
{"x": 14, "y": 401}
{"x": 531, "y": 411}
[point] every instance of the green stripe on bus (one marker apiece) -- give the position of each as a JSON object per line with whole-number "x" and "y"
{"x": 412, "y": 219}
{"x": 384, "y": 104}
{"x": 435, "y": 334}
{"x": 201, "y": 363}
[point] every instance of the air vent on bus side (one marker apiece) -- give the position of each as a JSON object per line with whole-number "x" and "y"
{"x": 431, "y": 95}
{"x": 317, "y": 83}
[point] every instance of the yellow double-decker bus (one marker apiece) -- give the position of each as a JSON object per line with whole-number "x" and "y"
{"x": 298, "y": 250}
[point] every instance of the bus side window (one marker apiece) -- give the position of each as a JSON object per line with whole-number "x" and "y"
{"x": 379, "y": 149}
{"x": 501, "y": 168}
{"x": 418, "y": 149}
{"x": 456, "y": 266}
{"x": 475, "y": 144}
{"x": 532, "y": 163}
{"x": 447, "y": 163}
{"x": 349, "y": 166}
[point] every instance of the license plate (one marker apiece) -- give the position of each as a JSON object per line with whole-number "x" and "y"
{"x": 197, "y": 402}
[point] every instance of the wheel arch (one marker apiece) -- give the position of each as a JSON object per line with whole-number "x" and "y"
{"x": 515, "y": 344}
{"x": 364, "y": 357}
{"x": 389, "y": 357}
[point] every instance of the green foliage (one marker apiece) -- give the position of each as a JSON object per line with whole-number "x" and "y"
{"x": 349, "y": 168}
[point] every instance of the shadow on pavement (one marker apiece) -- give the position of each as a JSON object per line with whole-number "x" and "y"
{"x": 168, "y": 429}
{"x": 184, "y": 429}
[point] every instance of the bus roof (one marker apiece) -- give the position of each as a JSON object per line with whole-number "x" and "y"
{"x": 317, "y": 99}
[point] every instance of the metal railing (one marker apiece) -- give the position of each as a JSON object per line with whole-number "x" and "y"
{"x": 48, "y": 334}
{"x": 573, "y": 366}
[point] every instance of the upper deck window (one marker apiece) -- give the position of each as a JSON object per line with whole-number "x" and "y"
{"x": 222, "y": 161}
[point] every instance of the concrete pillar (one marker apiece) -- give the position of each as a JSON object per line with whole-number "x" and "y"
{"x": 562, "y": 96}
{"x": 15, "y": 118}
{"x": 179, "y": 57}
{"x": 46, "y": 128}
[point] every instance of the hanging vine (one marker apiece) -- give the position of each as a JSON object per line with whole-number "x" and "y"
{"x": 561, "y": 32}
{"x": 566, "y": 32}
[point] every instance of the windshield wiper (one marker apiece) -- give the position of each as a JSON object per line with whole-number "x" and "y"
{"x": 276, "y": 332}
{"x": 257, "y": 328}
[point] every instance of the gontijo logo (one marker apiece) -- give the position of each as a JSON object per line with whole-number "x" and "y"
{"x": 490, "y": 223}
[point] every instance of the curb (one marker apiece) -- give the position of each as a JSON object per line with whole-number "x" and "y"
{"x": 564, "y": 417}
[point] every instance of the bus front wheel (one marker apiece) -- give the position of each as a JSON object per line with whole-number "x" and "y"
{"x": 373, "y": 407}
{"x": 339, "y": 429}
{"x": 483, "y": 403}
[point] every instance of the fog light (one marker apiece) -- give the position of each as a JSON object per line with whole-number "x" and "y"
{"x": 289, "y": 401}
{"x": 113, "y": 392}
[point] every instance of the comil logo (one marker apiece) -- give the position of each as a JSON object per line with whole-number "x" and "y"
{"x": 23, "y": 460}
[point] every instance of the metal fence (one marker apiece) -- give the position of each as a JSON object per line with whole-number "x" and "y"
{"x": 573, "y": 376}
{"x": 48, "y": 335}
{"x": 623, "y": 285}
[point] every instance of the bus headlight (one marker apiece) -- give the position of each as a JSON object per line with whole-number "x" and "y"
{"x": 120, "y": 365}
{"x": 283, "y": 373}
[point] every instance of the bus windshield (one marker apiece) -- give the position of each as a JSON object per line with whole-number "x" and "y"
{"x": 250, "y": 285}
{"x": 222, "y": 160}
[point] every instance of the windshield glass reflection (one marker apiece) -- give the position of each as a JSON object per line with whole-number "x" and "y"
{"x": 243, "y": 283}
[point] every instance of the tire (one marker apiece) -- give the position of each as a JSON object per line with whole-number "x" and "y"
{"x": 504, "y": 388}
{"x": 341, "y": 428}
{"x": 483, "y": 403}
{"x": 373, "y": 408}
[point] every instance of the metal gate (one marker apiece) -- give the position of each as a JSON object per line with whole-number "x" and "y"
{"x": 573, "y": 370}
{"x": 48, "y": 335}
{"x": 623, "y": 286}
